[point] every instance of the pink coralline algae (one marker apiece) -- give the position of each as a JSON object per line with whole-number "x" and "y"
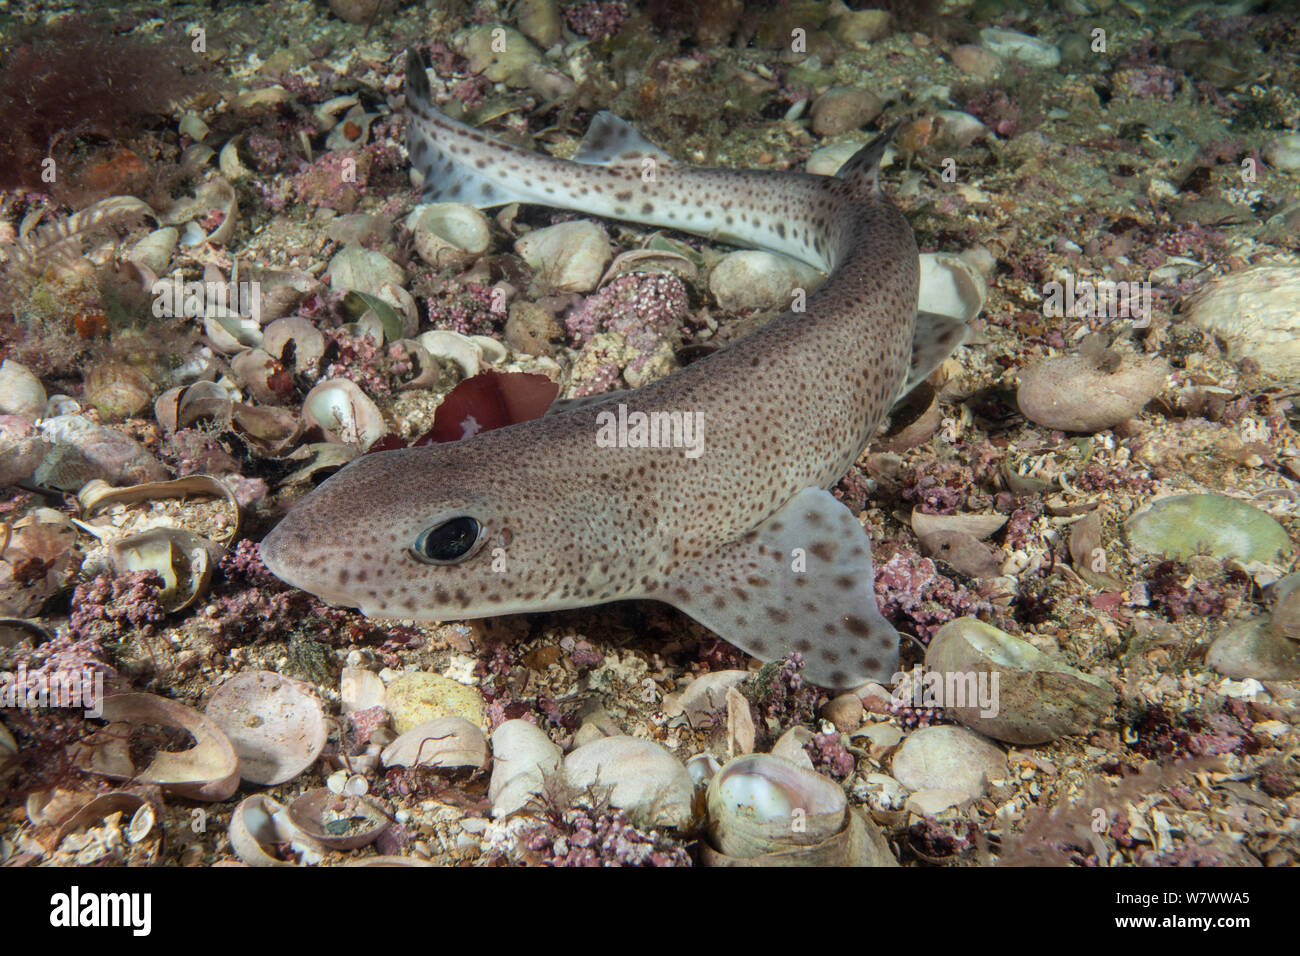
{"x": 643, "y": 307}
{"x": 360, "y": 359}
{"x": 261, "y": 608}
{"x": 829, "y": 755}
{"x": 465, "y": 308}
{"x": 596, "y": 20}
{"x": 779, "y": 693}
{"x": 916, "y": 598}
{"x": 584, "y": 837}
{"x": 106, "y": 606}
{"x": 336, "y": 180}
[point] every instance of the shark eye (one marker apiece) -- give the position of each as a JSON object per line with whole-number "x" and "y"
{"x": 447, "y": 542}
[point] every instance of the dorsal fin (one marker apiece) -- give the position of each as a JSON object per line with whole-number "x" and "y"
{"x": 936, "y": 337}
{"x": 862, "y": 170}
{"x": 611, "y": 140}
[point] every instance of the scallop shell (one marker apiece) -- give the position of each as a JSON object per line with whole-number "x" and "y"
{"x": 276, "y": 725}
{"x": 344, "y": 413}
{"x": 118, "y": 390}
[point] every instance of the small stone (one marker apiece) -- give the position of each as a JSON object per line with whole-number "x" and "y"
{"x": 540, "y": 21}
{"x": 1251, "y": 650}
{"x": 569, "y": 257}
{"x": 1181, "y": 526}
{"x": 532, "y": 330}
{"x": 845, "y": 712}
{"x": 646, "y": 780}
{"x": 843, "y": 108}
{"x": 418, "y": 697}
{"x": 976, "y": 61}
{"x": 355, "y": 11}
{"x": 1253, "y": 313}
{"x": 952, "y": 758}
{"x": 1283, "y": 152}
{"x": 931, "y": 803}
{"x": 1020, "y": 47}
{"x": 861, "y": 28}
{"x": 1087, "y": 393}
{"x": 1010, "y": 690}
{"x": 1285, "y": 618}
{"x": 759, "y": 280}
{"x": 84, "y": 450}
{"x": 499, "y": 53}
{"x": 883, "y": 737}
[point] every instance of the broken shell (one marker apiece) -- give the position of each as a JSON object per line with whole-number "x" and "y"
{"x": 951, "y": 286}
{"x": 1253, "y": 312}
{"x": 229, "y": 334}
{"x": 106, "y": 810}
{"x": 322, "y": 460}
{"x": 765, "y": 811}
{"x": 446, "y": 742}
{"x": 100, "y": 494}
{"x": 155, "y": 250}
{"x": 426, "y": 372}
{"x": 522, "y": 755}
{"x": 443, "y": 344}
{"x": 228, "y": 161}
{"x": 263, "y": 375}
{"x": 338, "y": 821}
{"x": 296, "y": 333}
{"x": 200, "y": 401}
{"x": 117, "y": 390}
{"x": 978, "y": 526}
{"x": 183, "y": 560}
{"x": 372, "y": 315}
{"x": 353, "y": 131}
{"x": 207, "y": 771}
{"x": 268, "y": 431}
{"x": 193, "y": 127}
{"x": 21, "y": 392}
{"x": 344, "y": 413}
{"x": 213, "y": 214}
{"x": 259, "y": 823}
{"x": 355, "y": 267}
{"x": 1006, "y": 688}
{"x": 569, "y": 257}
{"x": 449, "y": 235}
{"x": 84, "y": 450}
{"x": 360, "y": 689}
{"x": 645, "y": 779}
{"x": 142, "y": 823}
{"x": 494, "y": 353}
{"x": 38, "y": 556}
{"x": 276, "y": 725}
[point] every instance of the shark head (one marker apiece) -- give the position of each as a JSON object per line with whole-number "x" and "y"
{"x": 435, "y": 533}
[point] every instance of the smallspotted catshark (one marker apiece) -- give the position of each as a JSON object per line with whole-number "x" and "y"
{"x": 744, "y": 537}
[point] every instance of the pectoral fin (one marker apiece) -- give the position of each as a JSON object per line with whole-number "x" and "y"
{"x": 802, "y": 581}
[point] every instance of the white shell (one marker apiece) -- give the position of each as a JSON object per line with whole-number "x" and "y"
{"x": 449, "y": 235}
{"x": 446, "y": 742}
{"x": 951, "y": 286}
{"x": 569, "y": 257}
{"x": 155, "y": 250}
{"x": 344, "y": 413}
{"x": 646, "y": 779}
{"x": 21, "y": 392}
{"x": 1256, "y": 313}
{"x": 450, "y": 346}
{"x": 753, "y": 279}
{"x": 276, "y": 725}
{"x": 522, "y": 754}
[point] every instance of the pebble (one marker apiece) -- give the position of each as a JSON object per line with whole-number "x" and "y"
{"x": 419, "y": 697}
{"x": 759, "y": 280}
{"x": 1285, "y": 618}
{"x": 540, "y": 21}
{"x": 646, "y": 780}
{"x": 845, "y": 712}
{"x": 976, "y": 61}
{"x": 1076, "y": 393}
{"x": 861, "y": 28}
{"x": 84, "y": 451}
{"x": 522, "y": 755}
{"x": 449, "y": 741}
{"x": 930, "y": 803}
{"x": 1252, "y": 650}
{"x": 844, "y": 108}
{"x": 948, "y": 758}
{"x": 1181, "y": 526}
{"x": 532, "y": 330}
{"x": 569, "y": 257}
{"x": 1253, "y": 313}
{"x": 1020, "y": 47}
{"x": 1036, "y": 699}
{"x": 1283, "y": 152}
{"x": 499, "y": 53}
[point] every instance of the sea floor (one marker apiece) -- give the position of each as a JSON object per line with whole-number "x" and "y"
{"x": 1094, "y": 499}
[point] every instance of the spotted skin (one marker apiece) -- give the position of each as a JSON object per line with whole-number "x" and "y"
{"x": 566, "y": 523}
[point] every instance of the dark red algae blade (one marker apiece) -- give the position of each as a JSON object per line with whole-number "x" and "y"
{"x": 490, "y": 400}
